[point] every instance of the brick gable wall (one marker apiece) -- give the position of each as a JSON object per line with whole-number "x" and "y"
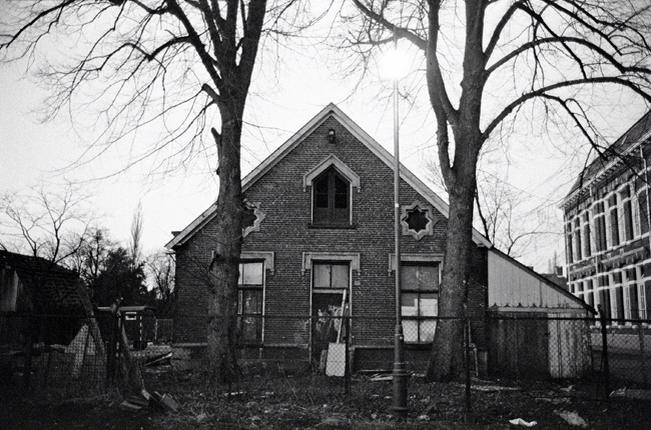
{"x": 286, "y": 231}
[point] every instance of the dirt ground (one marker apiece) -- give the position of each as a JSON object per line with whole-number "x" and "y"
{"x": 316, "y": 402}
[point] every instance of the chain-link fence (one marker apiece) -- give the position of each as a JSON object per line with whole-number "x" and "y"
{"x": 333, "y": 354}
{"x": 77, "y": 355}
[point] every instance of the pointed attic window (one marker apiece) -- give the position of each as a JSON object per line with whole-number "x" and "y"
{"x": 416, "y": 220}
{"x": 331, "y": 183}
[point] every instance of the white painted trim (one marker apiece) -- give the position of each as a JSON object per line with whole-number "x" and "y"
{"x": 260, "y": 215}
{"x": 429, "y": 227}
{"x": 331, "y": 110}
{"x": 422, "y": 258}
{"x": 267, "y": 256}
{"x": 326, "y": 163}
{"x": 595, "y": 177}
{"x": 353, "y": 257}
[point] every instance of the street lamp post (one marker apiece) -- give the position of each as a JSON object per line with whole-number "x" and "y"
{"x": 395, "y": 67}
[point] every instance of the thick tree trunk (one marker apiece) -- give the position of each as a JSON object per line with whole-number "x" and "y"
{"x": 222, "y": 305}
{"x": 446, "y": 361}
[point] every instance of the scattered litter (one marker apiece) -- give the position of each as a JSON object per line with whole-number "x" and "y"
{"x": 572, "y": 418}
{"x": 493, "y": 388}
{"x": 234, "y": 393}
{"x": 380, "y": 377}
{"x": 423, "y": 418}
{"x": 166, "y": 401}
{"x": 488, "y": 388}
{"x": 128, "y": 406}
{"x": 632, "y": 393}
{"x": 159, "y": 359}
{"x": 523, "y": 423}
{"x": 554, "y": 400}
{"x": 335, "y": 421}
{"x": 201, "y": 417}
{"x": 568, "y": 389}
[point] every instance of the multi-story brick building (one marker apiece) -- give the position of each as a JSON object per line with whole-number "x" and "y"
{"x": 319, "y": 239}
{"x": 607, "y": 229}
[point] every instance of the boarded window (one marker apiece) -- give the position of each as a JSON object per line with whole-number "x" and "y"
{"x": 419, "y": 284}
{"x": 249, "y": 302}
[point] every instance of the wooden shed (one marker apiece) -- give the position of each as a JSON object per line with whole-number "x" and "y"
{"x": 535, "y": 327}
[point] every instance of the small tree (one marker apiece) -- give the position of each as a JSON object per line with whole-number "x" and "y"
{"x": 120, "y": 278}
{"x": 160, "y": 275}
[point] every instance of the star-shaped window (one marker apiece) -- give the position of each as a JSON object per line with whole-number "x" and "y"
{"x": 416, "y": 220}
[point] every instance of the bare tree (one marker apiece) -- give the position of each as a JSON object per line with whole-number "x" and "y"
{"x": 135, "y": 241}
{"x": 160, "y": 274}
{"x": 175, "y": 64}
{"x": 46, "y": 224}
{"x": 483, "y": 62}
{"x": 506, "y": 222}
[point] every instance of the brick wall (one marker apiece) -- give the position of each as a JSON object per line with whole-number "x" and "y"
{"x": 286, "y": 231}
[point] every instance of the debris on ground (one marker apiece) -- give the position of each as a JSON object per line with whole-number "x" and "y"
{"x": 378, "y": 377}
{"x": 135, "y": 403}
{"x": 201, "y": 417}
{"x": 632, "y": 393}
{"x": 158, "y": 360}
{"x": 166, "y": 401}
{"x": 489, "y": 388}
{"x": 334, "y": 422}
{"x": 523, "y": 423}
{"x": 572, "y": 418}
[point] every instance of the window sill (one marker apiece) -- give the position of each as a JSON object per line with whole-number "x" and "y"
{"x": 332, "y": 226}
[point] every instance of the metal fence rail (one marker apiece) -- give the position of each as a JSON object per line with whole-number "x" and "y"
{"x": 74, "y": 355}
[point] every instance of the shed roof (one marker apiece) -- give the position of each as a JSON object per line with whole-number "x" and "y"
{"x": 51, "y": 287}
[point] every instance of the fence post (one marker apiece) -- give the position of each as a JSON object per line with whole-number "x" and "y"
{"x": 640, "y": 335}
{"x": 466, "y": 363}
{"x": 347, "y": 355}
{"x": 29, "y": 345}
{"x": 604, "y": 351}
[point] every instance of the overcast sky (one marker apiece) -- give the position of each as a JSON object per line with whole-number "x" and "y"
{"x": 284, "y": 96}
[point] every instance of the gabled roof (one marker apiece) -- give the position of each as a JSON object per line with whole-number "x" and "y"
{"x": 331, "y": 110}
{"x": 613, "y": 156}
{"x": 51, "y": 288}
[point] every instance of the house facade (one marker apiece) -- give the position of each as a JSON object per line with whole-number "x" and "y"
{"x": 318, "y": 242}
{"x": 606, "y": 217}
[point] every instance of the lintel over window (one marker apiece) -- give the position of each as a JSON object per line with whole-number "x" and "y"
{"x": 339, "y": 166}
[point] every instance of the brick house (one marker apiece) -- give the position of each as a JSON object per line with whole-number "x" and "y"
{"x": 607, "y": 229}
{"x": 319, "y": 239}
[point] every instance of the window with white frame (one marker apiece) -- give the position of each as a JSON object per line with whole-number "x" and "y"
{"x": 643, "y": 211}
{"x": 617, "y": 297}
{"x": 626, "y": 213}
{"x": 250, "y": 294}
{"x": 589, "y": 292}
{"x": 419, "y": 288}
{"x": 577, "y": 239}
{"x": 568, "y": 244}
{"x": 587, "y": 248}
{"x": 632, "y": 295}
{"x": 613, "y": 217}
{"x": 599, "y": 226}
{"x": 604, "y": 296}
{"x": 645, "y": 292}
